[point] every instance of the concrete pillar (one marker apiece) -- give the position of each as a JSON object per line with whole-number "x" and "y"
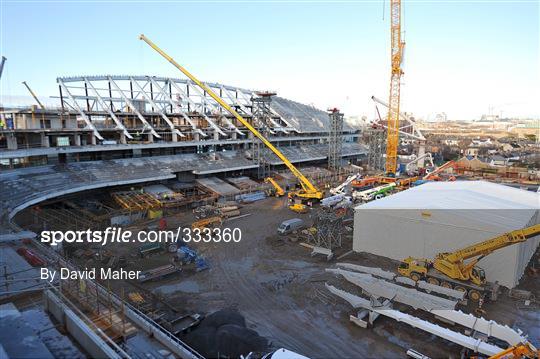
{"x": 216, "y": 135}
{"x": 150, "y": 138}
{"x": 52, "y": 158}
{"x": 235, "y": 135}
{"x": 94, "y": 141}
{"x": 421, "y": 152}
{"x": 76, "y": 139}
{"x": 11, "y": 142}
{"x": 123, "y": 138}
{"x": 45, "y": 140}
{"x": 174, "y": 137}
{"x": 196, "y": 136}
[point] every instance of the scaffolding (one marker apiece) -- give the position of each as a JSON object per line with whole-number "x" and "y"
{"x": 335, "y": 140}
{"x": 327, "y": 230}
{"x": 376, "y": 142}
{"x": 262, "y": 115}
{"x": 136, "y": 201}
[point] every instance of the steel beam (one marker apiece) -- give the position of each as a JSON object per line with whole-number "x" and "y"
{"x": 216, "y": 107}
{"x": 210, "y": 122}
{"x": 277, "y": 125}
{"x": 159, "y": 110}
{"x": 104, "y": 106}
{"x": 81, "y": 111}
{"x": 133, "y": 108}
{"x": 174, "y": 104}
{"x": 468, "y": 342}
{"x": 235, "y": 102}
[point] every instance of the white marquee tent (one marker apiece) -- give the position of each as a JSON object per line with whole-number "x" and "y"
{"x": 445, "y": 216}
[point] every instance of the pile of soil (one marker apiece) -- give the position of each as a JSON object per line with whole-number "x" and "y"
{"x": 224, "y": 333}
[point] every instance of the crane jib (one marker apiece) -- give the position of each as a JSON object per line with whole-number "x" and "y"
{"x": 307, "y": 186}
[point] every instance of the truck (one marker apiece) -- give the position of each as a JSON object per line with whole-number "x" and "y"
{"x": 290, "y": 226}
{"x": 374, "y": 193}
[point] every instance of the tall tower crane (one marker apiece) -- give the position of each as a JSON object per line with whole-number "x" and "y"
{"x": 393, "y": 111}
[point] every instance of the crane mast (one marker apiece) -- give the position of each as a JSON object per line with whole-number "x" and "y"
{"x": 309, "y": 191}
{"x": 393, "y": 110}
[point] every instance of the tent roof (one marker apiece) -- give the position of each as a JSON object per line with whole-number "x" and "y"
{"x": 458, "y": 195}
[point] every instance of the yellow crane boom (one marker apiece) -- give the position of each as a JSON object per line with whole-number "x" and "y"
{"x": 308, "y": 189}
{"x": 455, "y": 272}
{"x": 279, "y": 191}
{"x": 392, "y": 139}
{"x": 524, "y": 350}
{"x": 452, "y": 264}
{"x": 33, "y": 95}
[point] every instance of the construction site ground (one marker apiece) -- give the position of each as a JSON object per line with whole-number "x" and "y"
{"x": 279, "y": 288}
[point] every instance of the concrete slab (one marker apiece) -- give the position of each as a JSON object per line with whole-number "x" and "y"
{"x": 375, "y": 271}
{"x": 20, "y": 274}
{"x": 218, "y": 186}
{"x": 17, "y": 337}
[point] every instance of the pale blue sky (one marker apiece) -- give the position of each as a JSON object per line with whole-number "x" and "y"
{"x": 461, "y": 56}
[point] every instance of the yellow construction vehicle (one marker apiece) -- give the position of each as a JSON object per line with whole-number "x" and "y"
{"x": 526, "y": 350}
{"x": 298, "y": 208}
{"x": 278, "y": 190}
{"x": 308, "y": 191}
{"x": 455, "y": 272}
{"x": 207, "y": 222}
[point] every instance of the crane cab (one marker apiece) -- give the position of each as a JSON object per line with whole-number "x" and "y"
{"x": 414, "y": 268}
{"x": 478, "y": 276}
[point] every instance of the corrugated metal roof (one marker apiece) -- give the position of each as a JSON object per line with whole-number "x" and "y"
{"x": 458, "y": 195}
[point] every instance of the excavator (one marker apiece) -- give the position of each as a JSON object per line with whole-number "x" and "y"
{"x": 278, "y": 190}
{"x": 308, "y": 191}
{"x": 450, "y": 270}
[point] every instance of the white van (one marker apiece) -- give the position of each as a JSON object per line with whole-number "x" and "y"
{"x": 290, "y": 225}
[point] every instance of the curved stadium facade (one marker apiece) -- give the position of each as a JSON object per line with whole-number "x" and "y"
{"x": 117, "y": 130}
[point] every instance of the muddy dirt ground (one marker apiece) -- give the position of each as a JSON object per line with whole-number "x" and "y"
{"x": 279, "y": 288}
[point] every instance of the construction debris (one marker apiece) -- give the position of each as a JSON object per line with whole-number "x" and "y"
{"x": 382, "y": 288}
{"x": 375, "y": 271}
{"x": 468, "y": 342}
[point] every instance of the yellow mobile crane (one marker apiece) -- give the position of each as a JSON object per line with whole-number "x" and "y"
{"x": 308, "y": 191}
{"x": 455, "y": 272}
{"x": 279, "y": 191}
{"x": 398, "y": 46}
{"x": 524, "y": 350}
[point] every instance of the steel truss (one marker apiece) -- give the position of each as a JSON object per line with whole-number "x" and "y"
{"x": 327, "y": 230}
{"x": 158, "y": 107}
{"x": 335, "y": 140}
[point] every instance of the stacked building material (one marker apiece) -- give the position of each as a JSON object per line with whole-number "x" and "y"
{"x": 250, "y": 197}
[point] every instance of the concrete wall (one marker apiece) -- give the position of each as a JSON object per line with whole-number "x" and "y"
{"x": 89, "y": 340}
{"x": 399, "y": 233}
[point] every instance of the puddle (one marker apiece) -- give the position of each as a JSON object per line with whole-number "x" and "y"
{"x": 187, "y": 286}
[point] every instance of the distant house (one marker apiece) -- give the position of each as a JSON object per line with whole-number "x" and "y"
{"x": 472, "y": 151}
{"x": 451, "y": 142}
{"x": 471, "y": 162}
{"x": 480, "y": 143}
{"x": 497, "y": 160}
